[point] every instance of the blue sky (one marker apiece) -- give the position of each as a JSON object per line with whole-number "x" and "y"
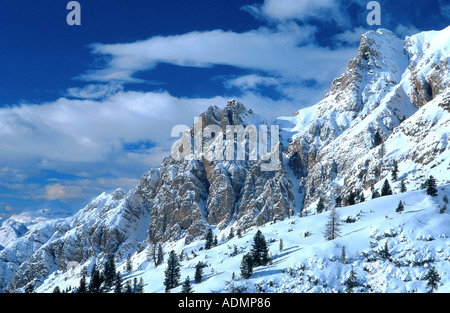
{"x": 85, "y": 109}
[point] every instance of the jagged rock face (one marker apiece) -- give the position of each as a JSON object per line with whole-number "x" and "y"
{"x": 188, "y": 196}
{"x": 383, "y": 87}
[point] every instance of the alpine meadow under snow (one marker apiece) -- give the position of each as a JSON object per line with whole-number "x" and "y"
{"x": 358, "y": 202}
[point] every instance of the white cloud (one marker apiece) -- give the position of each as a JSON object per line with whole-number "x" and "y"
{"x": 251, "y": 81}
{"x": 95, "y": 91}
{"x": 306, "y": 10}
{"x": 283, "y": 51}
{"x": 351, "y": 36}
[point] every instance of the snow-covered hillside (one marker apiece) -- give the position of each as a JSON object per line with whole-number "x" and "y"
{"x": 417, "y": 239}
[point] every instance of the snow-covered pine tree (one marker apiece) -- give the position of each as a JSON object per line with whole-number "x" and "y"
{"x": 386, "y": 189}
{"x": 259, "y": 251}
{"x": 246, "y": 266}
{"x": 433, "y": 279}
{"x": 209, "y": 239}
{"x": 400, "y": 207}
{"x": 430, "y": 185}
{"x": 172, "y": 272}
{"x": 403, "y": 186}
{"x": 352, "y": 281}
{"x": 394, "y": 170}
{"x": 187, "y": 287}
{"x": 333, "y": 226}
{"x": 198, "y": 273}
{"x": 320, "y": 205}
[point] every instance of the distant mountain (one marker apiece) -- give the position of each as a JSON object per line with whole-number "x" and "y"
{"x": 390, "y": 109}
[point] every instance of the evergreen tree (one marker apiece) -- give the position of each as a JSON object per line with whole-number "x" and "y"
{"x": 445, "y": 199}
{"x": 443, "y": 209}
{"x": 109, "y": 272}
{"x": 400, "y": 208}
{"x": 333, "y": 226}
{"x": 351, "y": 200}
{"x": 128, "y": 288}
{"x": 187, "y": 287}
{"x": 118, "y": 283}
{"x": 172, "y": 272}
{"x": 159, "y": 255}
{"x": 386, "y": 189}
{"x": 281, "y": 247}
{"x": 198, "y": 273}
{"x": 433, "y": 279}
{"x": 384, "y": 252}
{"x": 375, "y": 194}
{"x": 377, "y": 139}
{"x": 362, "y": 198}
{"x": 231, "y": 234}
{"x": 403, "y": 186}
{"x": 82, "y": 288}
{"x": 259, "y": 251}
{"x": 96, "y": 280}
{"x": 239, "y": 233}
{"x": 246, "y": 266}
{"x": 352, "y": 281}
{"x": 129, "y": 265}
{"x": 338, "y": 201}
{"x": 430, "y": 184}
{"x": 395, "y": 170}
{"x": 57, "y": 290}
{"x": 209, "y": 239}
{"x": 140, "y": 286}
{"x": 320, "y": 205}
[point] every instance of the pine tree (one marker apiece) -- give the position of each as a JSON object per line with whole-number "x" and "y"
{"x": 187, "y": 287}
{"x": 172, "y": 272}
{"x": 443, "y": 209}
{"x": 231, "y": 234}
{"x": 320, "y": 205}
{"x": 384, "y": 252}
{"x": 352, "y": 281}
{"x": 281, "y": 247}
{"x": 160, "y": 255}
{"x": 140, "y": 286}
{"x": 57, "y": 290}
{"x": 403, "y": 186}
{"x": 338, "y": 201}
{"x": 445, "y": 199}
{"x": 109, "y": 272}
{"x": 386, "y": 189}
{"x": 118, "y": 283}
{"x": 333, "y": 226}
{"x": 351, "y": 200}
{"x": 198, "y": 273}
{"x": 395, "y": 170}
{"x": 209, "y": 239}
{"x": 82, "y": 288}
{"x": 400, "y": 208}
{"x": 259, "y": 251}
{"x": 375, "y": 194}
{"x": 246, "y": 266}
{"x": 433, "y": 279}
{"x": 430, "y": 184}
{"x": 377, "y": 139}
{"x": 96, "y": 280}
{"x": 129, "y": 266}
{"x": 239, "y": 233}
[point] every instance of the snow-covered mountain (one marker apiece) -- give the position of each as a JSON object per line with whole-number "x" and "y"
{"x": 394, "y": 87}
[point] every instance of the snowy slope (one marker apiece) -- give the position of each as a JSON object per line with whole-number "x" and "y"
{"x": 418, "y": 239}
